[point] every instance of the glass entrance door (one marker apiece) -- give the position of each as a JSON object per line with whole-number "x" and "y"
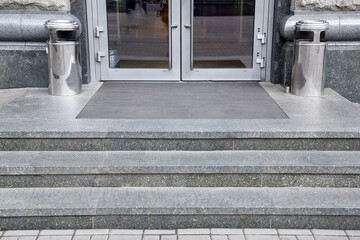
{"x": 220, "y": 39}
{"x": 142, "y": 39}
{"x": 189, "y": 40}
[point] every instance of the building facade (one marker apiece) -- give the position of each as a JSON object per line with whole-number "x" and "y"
{"x": 188, "y": 40}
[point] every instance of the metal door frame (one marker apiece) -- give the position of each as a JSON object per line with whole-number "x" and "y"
{"x": 143, "y": 74}
{"x": 222, "y": 74}
{"x": 96, "y": 46}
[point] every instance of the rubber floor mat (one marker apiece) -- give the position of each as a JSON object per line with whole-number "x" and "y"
{"x": 210, "y": 100}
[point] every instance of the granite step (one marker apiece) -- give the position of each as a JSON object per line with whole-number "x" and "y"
{"x": 180, "y": 169}
{"x": 179, "y": 134}
{"x": 166, "y": 208}
{"x": 181, "y": 143}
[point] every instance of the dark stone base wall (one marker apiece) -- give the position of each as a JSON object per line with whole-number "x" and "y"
{"x": 282, "y": 9}
{"x": 287, "y": 54}
{"x": 343, "y": 69}
{"x": 23, "y": 65}
{"x": 78, "y": 9}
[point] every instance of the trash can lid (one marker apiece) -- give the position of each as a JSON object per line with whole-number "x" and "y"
{"x": 62, "y": 24}
{"x": 311, "y": 25}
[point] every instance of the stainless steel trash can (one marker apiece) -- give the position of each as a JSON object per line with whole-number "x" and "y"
{"x": 309, "y": 58}
{"x": 63, "y": 49}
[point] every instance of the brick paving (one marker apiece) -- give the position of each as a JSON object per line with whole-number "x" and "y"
{"x": 182, "y": 234}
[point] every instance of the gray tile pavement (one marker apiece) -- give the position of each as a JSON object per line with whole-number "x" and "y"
{"x": 194, "y": 237}
{"x": 353, "y": 233}
{"x": 81, "y": 237}
{"x": 125, "y": 237}
{"x": 302, "y": 232}
{"x": 54, "y": 237}
{"x": 182, "y": 234}
{"x": 305, "y": 237}
{"x": 56, "y": 232}
{"x": 236, "y": 237}
{"x": 287, "y": 237}
{"x": 320, "y": 232}
{"x": 168, "y": 237}
{"x": 27, "y": 238}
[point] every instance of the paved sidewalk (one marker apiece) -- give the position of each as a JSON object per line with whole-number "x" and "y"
{"x": 182, "y": 234}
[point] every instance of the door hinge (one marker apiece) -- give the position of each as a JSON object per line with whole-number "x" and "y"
{"x": 99, "y": 55}
{"x": 98, "y": 30}
{"x": 261, "y": 61}
{"x": 262, "y": 38}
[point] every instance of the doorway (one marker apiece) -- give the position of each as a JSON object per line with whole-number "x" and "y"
{"x": 188, "y": 40}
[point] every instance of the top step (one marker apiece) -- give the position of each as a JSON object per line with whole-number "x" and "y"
{"x": 36, "y": 121}
{"x": 182, "y": 135}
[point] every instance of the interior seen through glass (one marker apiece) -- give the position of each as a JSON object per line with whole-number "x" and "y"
{"x": 223, "y": 33}
{"x": 139, "y": 33}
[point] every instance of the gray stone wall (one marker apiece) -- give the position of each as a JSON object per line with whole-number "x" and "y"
{"x": 282, "y": 9}
{"x": 35, "y": 5}
{"x": 326, "y": 5}
{"x": 78, "y": 9}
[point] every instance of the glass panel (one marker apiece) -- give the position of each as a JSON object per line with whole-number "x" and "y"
{"x": 223, "y": 33}
{"x": 138, "y": 33}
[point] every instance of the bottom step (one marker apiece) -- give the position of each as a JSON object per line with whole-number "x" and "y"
{"x": 166, "y": 208}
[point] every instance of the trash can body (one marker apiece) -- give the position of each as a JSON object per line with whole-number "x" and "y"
{"x": 63, "y": 49}
{"x": 64, "y": 76}
{"x": 308, "y": 71}
{"x": 308, "y": 78}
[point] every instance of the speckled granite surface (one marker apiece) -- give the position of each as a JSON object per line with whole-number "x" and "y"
{"x": 343, "y": 72}
{"x": 182, "y": 207}
{"x": 78, "y": 9}
{"x": 177, "y": 189}
{"x": 180, "y": 169}
{"x": 30, "y": 121}
{"x": 282, "y": 9}
{"x": 27, "y": 74}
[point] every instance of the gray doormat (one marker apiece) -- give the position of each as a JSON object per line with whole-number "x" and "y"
{"x": 226, "y": 100}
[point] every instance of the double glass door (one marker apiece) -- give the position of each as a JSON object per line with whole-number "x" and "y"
{"x": 188, "y": 40}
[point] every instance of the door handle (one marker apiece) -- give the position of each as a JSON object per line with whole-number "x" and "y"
{"x": 187, "y": 26}
{"x": 174, "y": 26}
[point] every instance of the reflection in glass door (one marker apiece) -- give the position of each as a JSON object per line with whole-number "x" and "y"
{"x": 223, "y": 33}
{"x": 143, "y": 40}
{"x": 219, "y": 39}
{"x": 138, "y": 33}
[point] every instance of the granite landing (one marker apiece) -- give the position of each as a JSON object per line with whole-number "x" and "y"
{"x": 32, "y": 120}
